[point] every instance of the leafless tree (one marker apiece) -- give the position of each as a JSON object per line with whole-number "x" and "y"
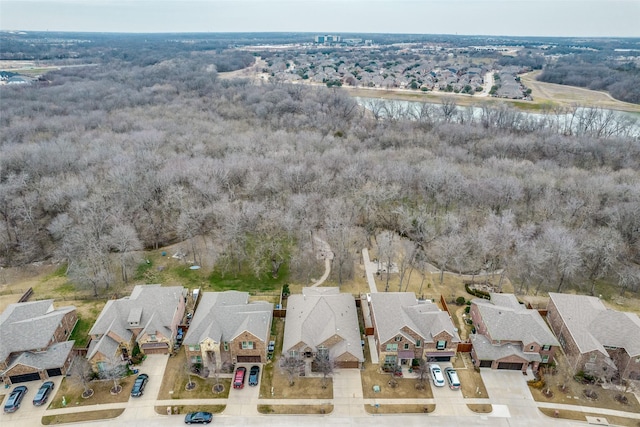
{"x": 324, "y": 364}
{"x": 291, "y": 364}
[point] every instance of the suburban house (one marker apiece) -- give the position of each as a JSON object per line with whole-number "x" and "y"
{"x": 148, "y": 317}
{"x": 406, "y": 328}
{"x": 599, "y": 341}
{"x": 509, "y": 335}
{"x": 33, "y": 341}
{"x": 227, "y": 329}
{"x": 323, "y": 319}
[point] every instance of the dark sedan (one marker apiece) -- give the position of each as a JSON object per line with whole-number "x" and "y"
{"x": 13, "y": 401}
{"x": 198, "y": 418}
{"x": 138, "y": 386}
{"x": 43, "y": 393}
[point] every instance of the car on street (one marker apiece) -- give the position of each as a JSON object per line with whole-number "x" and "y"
{"x": 139, "y": 384}
{"x": 436, "y": 375}
{"x": 452, "y": 378}
{"x": 254, "y": 373}
{"x": 42, "y": 395}
{"x": 13, "y": 401}
{"x": 198, "y": 418}
{"x": 238, "y": 379}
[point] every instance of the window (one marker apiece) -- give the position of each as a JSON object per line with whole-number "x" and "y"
{"x": 545, "y": 359}
{"x": 390, "y": 360}
{"x": 247, "y": 345}
{"x": 225, "y": 346}
{"x": 398, "y": 338}
{"x": 406, "y": 346}
{"x": 531, "y": 348}
{"x": 293, "y": 353}
{"x": 195, "y": 347}
{"x": 441, "y": 345}
{"x": 593, "y": 357}
{"x": 546, "y": 347}
{"x": 152, "y": 337}
{"x": 418, "y": 343}
{"x": 196, "y": 359}
{"x": 392, "y": 347}
{"x": 102, "y": 366}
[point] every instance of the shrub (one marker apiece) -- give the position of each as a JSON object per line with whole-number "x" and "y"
{"x": 460, "y": 301}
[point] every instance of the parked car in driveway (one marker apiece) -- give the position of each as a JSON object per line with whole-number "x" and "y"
{"x": 254, "y": 373}
{"x": 436, "y": 375}
{"x": 138, "y": 385}
{"x": 238, "y": 379}
{"x": 198, "y": 418}
{"x": 13, "y": 401}
{"x": 42, "y": 395}
{"x": 452, "y": 378}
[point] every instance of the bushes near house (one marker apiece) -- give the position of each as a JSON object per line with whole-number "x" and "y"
{"x": 476, "y": 292}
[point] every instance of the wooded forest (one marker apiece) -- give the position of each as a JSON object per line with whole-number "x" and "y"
{"x": 99, "y": 161}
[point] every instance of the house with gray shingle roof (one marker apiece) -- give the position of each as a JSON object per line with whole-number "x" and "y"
{"x": 406, "y": 328}
{"x": 33, "y": 341}
{"x": 148, "y": 317}
{"x": 323, "y": 318}
{"x": 509, "y": 335}
{"x": 227, "y": 329}
{"x": 597, "y": 340}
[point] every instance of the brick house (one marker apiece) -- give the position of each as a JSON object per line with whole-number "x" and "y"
{"x": 508, "y": 335}
{"x": 34, "y": 341}
{"x": 599, "y": 341}
{"x": 227, "y": 329}
{"x": 406, "y": 328}
{"x": 148, "y": 317}
{"x": 323, "y": 318}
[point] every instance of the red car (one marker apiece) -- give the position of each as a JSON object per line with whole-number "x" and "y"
{"x": 238, "y": 380}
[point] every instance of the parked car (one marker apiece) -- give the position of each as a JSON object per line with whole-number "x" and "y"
{"x": 198, "y": 418}
{"x": 272, "y": 346}
{"x": 138, "y": 385}
{"x": 238, "y": 380}
{"x": 43, "y": 393}
{"x": 254, "y": 372}
{"x": 436, "y": 375}
{"x": 13, "y": 401}
{"x": 452, "y": 378}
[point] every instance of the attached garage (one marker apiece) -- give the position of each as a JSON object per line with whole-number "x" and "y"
{"x": 34, "y": 376}
{"x": 159, "y": 348}
{"x": 55, "y": 372}
{"x": 249, "y": 359}
{"x": 348, "y": 364}
{"x": 512, "y": 366}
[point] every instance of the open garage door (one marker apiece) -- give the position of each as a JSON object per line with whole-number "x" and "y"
{"x": 510, "y": 366}
{"x": 55, "y": 372}
{"x": 486, "y": 363}
{"x": 249, "y": 359}
{"x": 24, "y": 378}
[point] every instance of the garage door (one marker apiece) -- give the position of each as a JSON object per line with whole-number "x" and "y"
{"x": 54, "y": 372}
{"x": 24, "y": 378}
{"x": 348, "y": 364}
{"x": 510, "y": 366}
{"x": 486, "y": 363}
{"x": 161, "y": 348}
{"x": 249, "y": 359}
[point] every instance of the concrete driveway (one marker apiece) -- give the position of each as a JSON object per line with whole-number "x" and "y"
{"x": 510, "y": 395}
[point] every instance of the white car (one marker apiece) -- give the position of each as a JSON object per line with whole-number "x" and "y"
{"x": 436, "y": 375}
{"x": 452, "y": 377}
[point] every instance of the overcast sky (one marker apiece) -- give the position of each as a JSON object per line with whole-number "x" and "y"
{"x": 619, "y": 18}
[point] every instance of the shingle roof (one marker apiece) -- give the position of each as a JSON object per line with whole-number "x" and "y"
{"x": 485, "y": 350}
{"x": 508, "y": 320}
{"x": 222, "y": 316}
{"x": 321, "y": 314}
{"x": 593, "y": 326}
{"x": 154, "y": 305}
{"x": 394, "y": 311}
{"x": 29, "y": 326}
{"x": 54, "y": 357}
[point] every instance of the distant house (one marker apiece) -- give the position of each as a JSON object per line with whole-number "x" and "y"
{"x": 323, "y": 318}
{"x": 509, "y": 335}
{"x": 33, "y": 341}
{"x": 406, "y": 328}
{"x": 602, "y": 342}
{"x": 148, "y": 317}
{"x": 227, "y": 329}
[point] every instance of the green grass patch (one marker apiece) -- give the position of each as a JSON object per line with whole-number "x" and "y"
{"x": 243, "y": 281}
{"x": 80, "y": 332}
{"x": 66, "y": 289}
{"x": 142, "y": 269}
{"x": 61, "y": 271}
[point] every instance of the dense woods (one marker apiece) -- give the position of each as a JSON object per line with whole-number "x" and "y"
{"x": 102, "y": 160}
